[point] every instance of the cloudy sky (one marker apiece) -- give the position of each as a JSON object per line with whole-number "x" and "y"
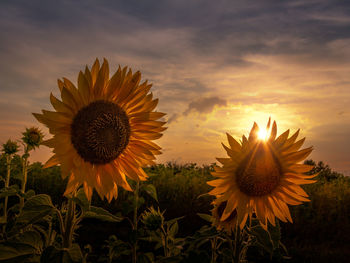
{"x": 216, "y": 66}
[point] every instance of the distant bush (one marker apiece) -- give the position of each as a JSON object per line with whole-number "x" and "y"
{"x": 321, "y": 227}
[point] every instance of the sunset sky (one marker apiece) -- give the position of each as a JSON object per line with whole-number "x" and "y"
{"x": 216, "y": 67}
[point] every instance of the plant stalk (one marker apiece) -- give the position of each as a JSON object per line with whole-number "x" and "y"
{"x": 213, "y": 249}
{"x": 134, "y": 247}
{"x": 25, "y": 174}
{"x": 69, "y": 224}
{"x": 237, "y": 246}
{"x": 7, "y": 183}
{"x": 165, "y": 242}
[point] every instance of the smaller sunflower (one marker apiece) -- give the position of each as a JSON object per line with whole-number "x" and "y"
{"x": 32, "y": 137}
{"x": 261, "y": 177}
{"x": 10, "y": 147}
{"x": 152, "y": 219}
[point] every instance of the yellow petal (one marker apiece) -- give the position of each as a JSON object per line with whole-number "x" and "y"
{"x": 51, "y": 162}
{"x": 60, "y": 106}
{"x": 235, "y": 146}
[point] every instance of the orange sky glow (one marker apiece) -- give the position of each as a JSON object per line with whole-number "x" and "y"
{"x": 215, "y": 69}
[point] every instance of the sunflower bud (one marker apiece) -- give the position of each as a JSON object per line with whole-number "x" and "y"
{"x": 10, "y": 147}
{"x": 152, "y": 219}
{"x": 32, "y": 137}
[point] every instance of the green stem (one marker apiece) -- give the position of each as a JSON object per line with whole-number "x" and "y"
{"x": 60, "y": 220}
{"x": 24, "y": 173}
{"x": 69, "y": 224}
{"x": 213, "y": 250}
{"x": 165, "y": 242}
{"x": 237, "y": 245}
{"x": 7, "y": 183}
{"x": 134, "y": 248}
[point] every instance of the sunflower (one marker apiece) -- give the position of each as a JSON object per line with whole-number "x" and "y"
{"x": 103, "y": 130}
{"x": 262, "y": 177}
{"x": 10, "y": 147}
{"x": 32, "y": 137}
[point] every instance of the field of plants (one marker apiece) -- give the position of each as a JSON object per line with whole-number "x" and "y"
{"x": 167, "y": 219}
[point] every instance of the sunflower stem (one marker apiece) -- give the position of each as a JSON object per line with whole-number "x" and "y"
{"x": 213, "y": 249}
{"x": 237, "y": 244}
{"x": 25, "y": 175}
{"x": 61, "y": 222}
{"x": 69, "y": 225}
{"x": 165, "y": 241}
{"x": 7, "y": 183}
{"x": 134, "y": 247}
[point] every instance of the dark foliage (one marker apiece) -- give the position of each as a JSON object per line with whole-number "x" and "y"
{"x": 320, "y": 232}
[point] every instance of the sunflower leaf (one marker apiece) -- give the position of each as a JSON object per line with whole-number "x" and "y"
{"x": 101, "y": 214}
{"x": 150, "y": 190}
{"x": 263, "y": 238}
{"x": 81, "y": 200}
{"x": 275, "y": 235}
{"x": 174, "y": 228}
{"x": 172, "y": 221}
{"x": 9, "y": 191}
{"x": 55, "y": 255}
{"x": 206, "y": 217}
{"x": 21, "y": 248}
{"x": 35, "y": 209}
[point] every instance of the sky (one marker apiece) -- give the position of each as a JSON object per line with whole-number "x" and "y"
{"x": 216, "y": 67}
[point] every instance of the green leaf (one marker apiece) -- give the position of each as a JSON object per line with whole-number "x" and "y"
{"x": 81, "y": 200}
{"x": 150, "y": 190}
{"x": 9, "y": 191}
{"x": 263, "y": 238}
{"x": 14, "y": 252}
{"x": 206, "y": 217}
{"x": 29, "y": 193}
{"x": 145, "y": 258}
{"x": 140, "y": 202}
{"x": 174, "y": 228}
{"x": 32, "y": 238}
{"x": 172, "y": 221}
{"x": 101, "y": 214}
{"x": 75, "y": 253}
{"x": 275, "y": 235}
{"x": 35, "y": 209}
{"x": 54, "y": 255}
{"x": 38, "y": 201}
{"x": 22, "y": 247}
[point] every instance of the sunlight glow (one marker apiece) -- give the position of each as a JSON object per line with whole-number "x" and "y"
{"x": 262, "y": 134}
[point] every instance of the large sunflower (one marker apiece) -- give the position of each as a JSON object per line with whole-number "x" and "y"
{"x": 261, "y": 176}
{"x": 103, "y": 130}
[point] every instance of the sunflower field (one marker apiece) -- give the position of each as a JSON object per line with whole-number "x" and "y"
{"x": 101, "y": 196}
{"x": 320, "y": 231}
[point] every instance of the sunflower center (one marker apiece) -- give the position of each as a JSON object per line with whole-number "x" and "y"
{"x": 260, "y": 172}
{"x": 100, "y": 132}
{"x": 34, "y": 136}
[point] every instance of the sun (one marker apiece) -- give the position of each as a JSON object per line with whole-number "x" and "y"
{"x": 262, "y": 134}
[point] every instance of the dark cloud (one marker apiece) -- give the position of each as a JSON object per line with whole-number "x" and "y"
{"x": 205, "y": 105}
{"x": 202, "y": 106}
{"x": 173, "y": 118}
